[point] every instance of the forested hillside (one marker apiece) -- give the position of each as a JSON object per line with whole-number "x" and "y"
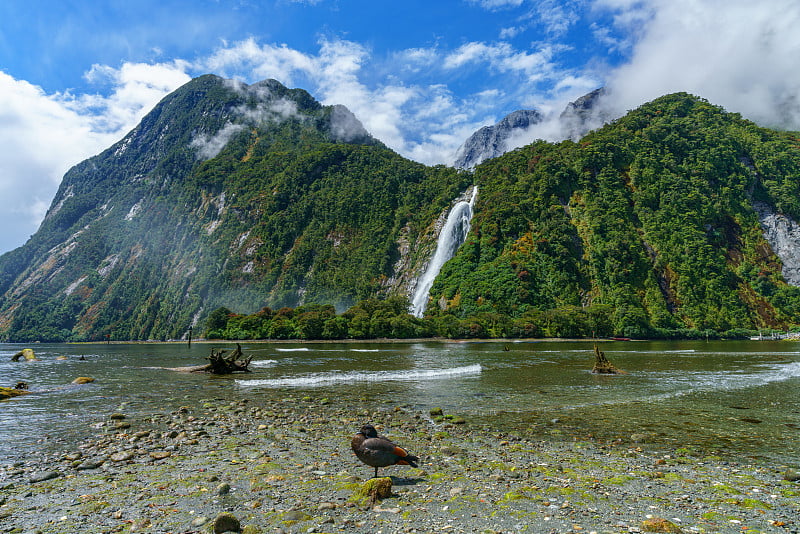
{"x": 643, "y": 226}
{"x": 224, "y": 195}
{"x": 254, "y": 211}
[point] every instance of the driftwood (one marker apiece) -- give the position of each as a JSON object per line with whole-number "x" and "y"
{"x": 220, "y": 364}
{"x": 20, "y": 389}
{"x": 602, "y": 365}
{"x": 27, "y": 354}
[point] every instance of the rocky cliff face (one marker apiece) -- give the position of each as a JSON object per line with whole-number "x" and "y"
{"x": 577, "y": 119}
{"x": 492, "y": 141}
{"x": 226, "y": 194}
{"x": 584, "y": 114}
{"x": 783, "y": 235}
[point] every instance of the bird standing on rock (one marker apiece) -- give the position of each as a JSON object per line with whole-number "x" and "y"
{"x": 378, "y": 451}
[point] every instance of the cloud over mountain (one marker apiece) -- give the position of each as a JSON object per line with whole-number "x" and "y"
{"x": 425, "y": 95}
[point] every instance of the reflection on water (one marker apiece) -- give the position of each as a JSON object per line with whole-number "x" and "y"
{"x": 728, "y": 397}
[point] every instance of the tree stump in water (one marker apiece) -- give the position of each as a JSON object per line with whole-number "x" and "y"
{"x": 27, "y": 354}
{"x": 220, "y": 364}
{"x": 602, "y": 365}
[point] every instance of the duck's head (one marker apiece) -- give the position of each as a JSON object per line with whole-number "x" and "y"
{"x": 368, "y": 431}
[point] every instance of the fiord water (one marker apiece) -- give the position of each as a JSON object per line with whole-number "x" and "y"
{"x": 736, "y": 399}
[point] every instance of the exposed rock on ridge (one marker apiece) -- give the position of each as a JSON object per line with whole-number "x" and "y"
{"x": 584, "y": 115}
{"x": 783, "y": 235}
{"x": 492, "y": 141}
{"x": 578, "y": 118}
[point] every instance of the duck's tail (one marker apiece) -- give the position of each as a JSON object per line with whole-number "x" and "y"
{"x": 407, "y": 459}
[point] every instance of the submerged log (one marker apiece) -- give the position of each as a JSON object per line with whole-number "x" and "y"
{"x": 602, "y": 365}
{"x": 220, "y": 364}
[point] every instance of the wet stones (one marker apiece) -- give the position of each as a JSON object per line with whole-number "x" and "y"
{"x": 225, "y": 522}
{"x": 41, "y": 477}
{"x": 791, "y": 475}
{"x": 123, "y": 456}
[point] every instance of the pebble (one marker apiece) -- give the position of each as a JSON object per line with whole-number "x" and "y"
{"x": 791, "y": 475}
{"x": 122, "y": 456}
{"x": 89, "y": 464}
{"x": 470, "y": 484}
{"x": 47, "y": 475}
{"x": 200, "y": 521}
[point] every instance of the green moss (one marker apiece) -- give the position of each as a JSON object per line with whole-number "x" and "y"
{"x": 618, "y": 480}
{"x": 437, "y": 477}
{"x": 94, "y": 507}
{"x": 372, "y": 490}
{"x": 753, "y": 504}
{"x": 725, "y": 489}
{"x": 512, "y": 496}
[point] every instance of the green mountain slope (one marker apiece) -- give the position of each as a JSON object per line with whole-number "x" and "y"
{"x": 646, "y": 224}
{"x": 245, "y": 197}
{"x": 224, "y": 195}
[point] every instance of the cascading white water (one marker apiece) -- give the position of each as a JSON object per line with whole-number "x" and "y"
{"x": 451, "y": 237}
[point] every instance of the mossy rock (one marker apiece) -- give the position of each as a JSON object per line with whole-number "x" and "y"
{"x": 372, "y": 491}
{"x": 658, "y": 524}
{"x": 225, "y": 522}
{"x": 7, "y": 393}
{"x": 83, "y": 380}
{"x": 295, "y": 516}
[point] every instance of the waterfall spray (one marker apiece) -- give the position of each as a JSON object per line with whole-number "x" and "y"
{"x": 451, "y": 237}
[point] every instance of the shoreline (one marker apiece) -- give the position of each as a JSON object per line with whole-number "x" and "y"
{"x": 342, "y": 341}
{"x": 284, "y": 464}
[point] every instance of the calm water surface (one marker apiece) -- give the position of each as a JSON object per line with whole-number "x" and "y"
{"x": 737, "y": 399}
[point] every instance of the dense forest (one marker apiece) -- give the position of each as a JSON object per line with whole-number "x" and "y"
{"x": 650, "y": 218}
{"x": 255, "y": 212}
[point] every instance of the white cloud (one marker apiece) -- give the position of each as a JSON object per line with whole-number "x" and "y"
{"x": 137, "y": 87}
{"x": 408, "y": 118}
{"x": 208, "y": 146}
{"x": 502, "y": 57}
{"x": 497, "y": 4}
{"x": 45, "y": 134}
{"x": 736, "y": 53}
{"x": 556, "y": 16}
{"x": 259, "y": 61}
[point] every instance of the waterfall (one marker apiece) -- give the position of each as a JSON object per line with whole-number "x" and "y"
{"x": 451, "y": 237}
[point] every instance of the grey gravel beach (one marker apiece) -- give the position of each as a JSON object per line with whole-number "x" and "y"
{"x": 285, "y": 465}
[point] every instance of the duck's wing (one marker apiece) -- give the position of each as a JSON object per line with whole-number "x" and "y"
{"x": 388, "y": 451}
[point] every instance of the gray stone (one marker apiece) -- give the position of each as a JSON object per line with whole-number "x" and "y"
{"x": 47, "y": 475}
{"x": 225, "y": 522}
{"x": 792, "y": 475}
{"x": 492, "y": 141}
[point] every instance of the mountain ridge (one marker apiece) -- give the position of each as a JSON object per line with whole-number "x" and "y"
{"x": 248, "y": 197}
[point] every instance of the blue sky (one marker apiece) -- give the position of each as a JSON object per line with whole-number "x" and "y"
{"x": 422, "y": 76}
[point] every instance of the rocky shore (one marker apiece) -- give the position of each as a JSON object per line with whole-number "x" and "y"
{"x": 285, "y": 465}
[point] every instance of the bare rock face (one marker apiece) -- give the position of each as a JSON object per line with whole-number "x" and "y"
{"x": 783, "y": 235}
{"x": 492, "y": 141}
{"x": 578, "y": 118}
{"x": 584, "y": 114}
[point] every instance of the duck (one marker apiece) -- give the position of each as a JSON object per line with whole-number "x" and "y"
{"x": 377, "y": 451}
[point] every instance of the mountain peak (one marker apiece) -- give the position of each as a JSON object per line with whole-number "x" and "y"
{"x": 492, "y": 141}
